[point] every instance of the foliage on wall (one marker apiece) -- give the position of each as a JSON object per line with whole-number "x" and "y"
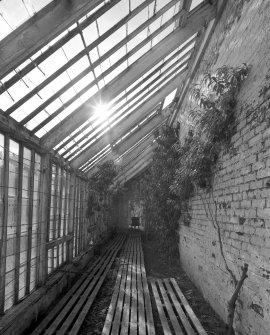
{"x": 161, "y": 208}
{"x": 99, "y": 188}
{"x": 180, "y": 168}
{"x": 211, "y": 126}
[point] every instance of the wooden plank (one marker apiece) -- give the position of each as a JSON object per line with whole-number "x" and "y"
{"x": 80, "y": 319}
{"x": 111, "y": 311}
{"x": 141, "y": 307}
{"x": 162, "y": 316}
{"x": 169, "y": 309}
{"x": 148, "y": 307}
{"x": 59, "y": 307}
{"x": 126, "y": 307}
{"x": 78, "y": 299}
{"x": 134, "y": 296}
{"x": 119, "y": 307}
{"x": 188, "y": 309}
{"x": 179, "y": 309}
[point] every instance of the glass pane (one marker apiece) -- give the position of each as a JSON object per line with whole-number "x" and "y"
{"x": 26, "y": 173}
{"x": 12, "y": 222}
{"x": 35, "y": 222}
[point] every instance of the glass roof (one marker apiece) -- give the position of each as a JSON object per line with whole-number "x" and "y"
{"x": 14, "y": 13}
{"x": 60, "y": 78}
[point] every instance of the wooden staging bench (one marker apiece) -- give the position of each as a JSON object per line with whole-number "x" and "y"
{"x": 68, "y": 315}
{"x": 175, "y": 314}
{"x": 130, "y": 310}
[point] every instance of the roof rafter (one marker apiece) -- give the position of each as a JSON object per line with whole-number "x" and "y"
{"x": 134, "y": 88}
{"x": 40, "y": 30}
{"x": 133, "y": 119}
{"x": 121, "y": 151}
{"x": 80, "y": 55}
{"x": 202, "y": 45}
{"x": 135, "y": 169}
{"x": 135, "y": 157}
{"x": 194, "y": 23}
{"x": 147, "y": 94}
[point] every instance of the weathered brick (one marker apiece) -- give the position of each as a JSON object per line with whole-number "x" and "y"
{"x": 246, "y": 241}
{"x": 255, "y": 139}
{"x": 263, "y": 174}
{"x": 258, "y": 203}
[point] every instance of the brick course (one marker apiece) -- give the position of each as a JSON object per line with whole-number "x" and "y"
{"x": 241, "y": 186}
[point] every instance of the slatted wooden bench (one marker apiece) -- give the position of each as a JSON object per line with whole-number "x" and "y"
{"x": 68, "y": 315}
{"x": 130, "y": 310}
{"x": 175, "y": 313}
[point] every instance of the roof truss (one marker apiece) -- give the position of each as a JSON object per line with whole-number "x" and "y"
{"x": 137, "y": 91}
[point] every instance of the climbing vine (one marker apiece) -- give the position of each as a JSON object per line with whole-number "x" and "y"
{"x": 211, "y": 126}
{"x": 180, "y": 168}
{"x": 161, "y": 208}
{"x": 99, "y": 186}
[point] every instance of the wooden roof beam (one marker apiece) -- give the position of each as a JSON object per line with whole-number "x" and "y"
{"x": 99, "y": 61}
{"x": 130, "y": 121}
{"x": 130, "y": 158}
{"x": 195, "y": 22}
{"x": 133, "y": 171}
{"x": 153, "y": 121}
{"x": 130, "y": 91}
{"x": 203, "y": 42}
{"x": 134, "y": 159}
{"x": 38, "y": 31}
{"x": 136, "y": 143}
{"x": 128, "y": 103}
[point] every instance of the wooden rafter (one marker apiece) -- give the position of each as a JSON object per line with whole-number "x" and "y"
{"x": 34, "y": 34}
{"x": 131, "y": 120}
{"x": 133, "y": 170}
{"x": 134, "y": 88}
{"x": 194, "y": 23}
{"x": 206, "y": 34}
{"x": 115, "y": 134}
{"x": 135, "y": 141}
{"x": 101, "y": 59}
{"x": 130, "y": 104}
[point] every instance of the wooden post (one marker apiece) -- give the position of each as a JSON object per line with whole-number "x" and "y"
{"x": 64, "y": 211}
{"x": 59, "y": 209}
{"x": 44, "y": 222}
{"x": 71, "y": 214}
{"x": 18, "y": 228}
{"x": 3, "y": 240}
{"x": 30, "y": 221}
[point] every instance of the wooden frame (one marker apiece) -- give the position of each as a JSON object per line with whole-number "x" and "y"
{"x": 4, "y": 228}
{"x": 195, "y": 22}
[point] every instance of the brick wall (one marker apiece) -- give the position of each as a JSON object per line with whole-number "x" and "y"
{"x": 241, "y": 186}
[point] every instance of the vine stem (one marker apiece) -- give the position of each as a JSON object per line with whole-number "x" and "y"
{"x": 216, "y": 225}
{"x": 231, "y": 303}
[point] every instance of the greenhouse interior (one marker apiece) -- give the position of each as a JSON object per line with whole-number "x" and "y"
{"x": 135, "y": 167}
